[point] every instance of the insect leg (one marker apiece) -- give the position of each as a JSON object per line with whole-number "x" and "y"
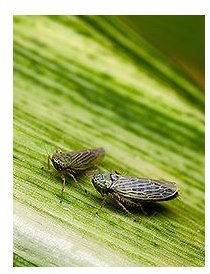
{"x": 142, "y": 209}
{"x": 72, "y": 176}
{"x": 63, "y": 186}
{"x": 48, "y": 161}
{"x": 123, "y": 207}
{"x": 126, "y": 210}
{"x": 102, "y": 204}
{"x": 89, "y": 172}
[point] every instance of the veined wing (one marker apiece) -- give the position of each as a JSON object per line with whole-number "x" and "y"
{"x": 141, "y": 189}
{"x": 84, "y": 159}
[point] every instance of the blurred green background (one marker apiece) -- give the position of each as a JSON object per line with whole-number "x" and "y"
{"x": 180, "y": 37}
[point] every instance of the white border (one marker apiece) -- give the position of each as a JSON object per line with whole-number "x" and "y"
{"x": 98, "y": 7}
{"x": 6, "y": 137}
{"x": 126, "y": 7}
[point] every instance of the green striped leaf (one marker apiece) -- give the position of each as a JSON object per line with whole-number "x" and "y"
{"x": 90, "y": 81}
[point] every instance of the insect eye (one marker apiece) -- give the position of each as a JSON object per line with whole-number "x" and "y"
{"x": 101, "y": 177}
{"x": 113, "y": 176}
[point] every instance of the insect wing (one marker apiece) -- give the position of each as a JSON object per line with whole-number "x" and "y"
{"x": 140, "y": 189}
{"x": 84, "y": 159}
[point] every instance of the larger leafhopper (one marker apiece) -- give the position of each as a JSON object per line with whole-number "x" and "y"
{"x": 133, "y": 191}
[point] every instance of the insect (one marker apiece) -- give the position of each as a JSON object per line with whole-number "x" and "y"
{"x": 71, "y": 163}
{"x": 133, "y": 191}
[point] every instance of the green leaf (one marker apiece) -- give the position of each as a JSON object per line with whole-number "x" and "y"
{"x": 90, "y": 81}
